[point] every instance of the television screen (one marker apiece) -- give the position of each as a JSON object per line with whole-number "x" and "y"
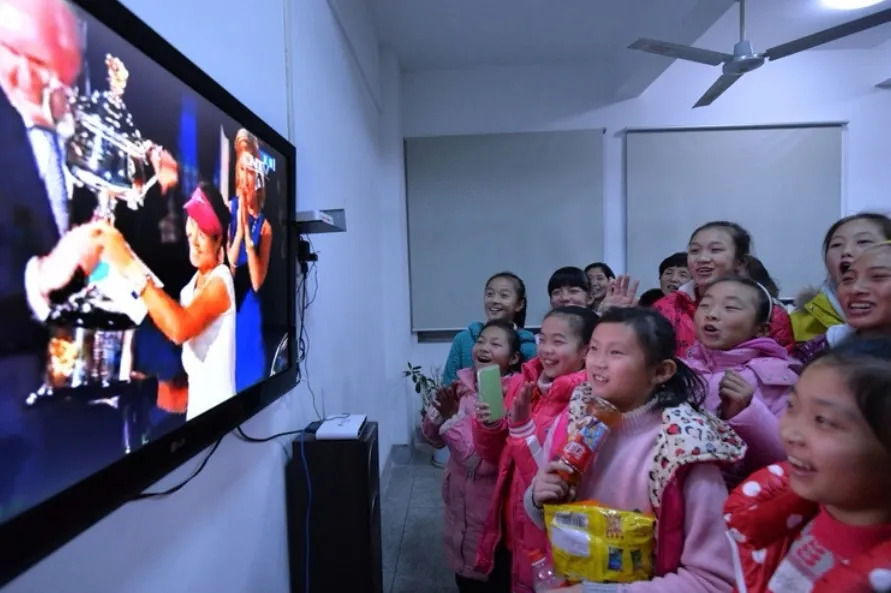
{"x": 144, "y": 270}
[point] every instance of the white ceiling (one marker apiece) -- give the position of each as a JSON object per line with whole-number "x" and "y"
{"x": 459, "y": 34}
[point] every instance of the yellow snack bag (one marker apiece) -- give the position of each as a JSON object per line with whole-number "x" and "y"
{"x": 590, "y": 542}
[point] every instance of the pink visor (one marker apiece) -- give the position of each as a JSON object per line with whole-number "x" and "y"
{"x": 199, "y": 209}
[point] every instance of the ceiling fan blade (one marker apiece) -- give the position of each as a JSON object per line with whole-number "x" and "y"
{"x": 683, "y": 52}
{"x": 724, "y": 82}
{"x": 826, "y": 35}
{"x": 885, "y": 84}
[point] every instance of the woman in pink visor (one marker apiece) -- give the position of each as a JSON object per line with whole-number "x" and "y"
{"x": 203, "y": 321}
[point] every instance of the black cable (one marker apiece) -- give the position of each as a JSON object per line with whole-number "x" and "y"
{"x": 303, "y": 340}
{"x": 176, "y": 488}
{"x": 239, "y": 432}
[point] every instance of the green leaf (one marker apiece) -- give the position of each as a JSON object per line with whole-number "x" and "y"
{"x": 417, "y": 368}
{"x": 417, "y": 388}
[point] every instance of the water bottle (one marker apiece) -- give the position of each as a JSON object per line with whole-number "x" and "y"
{"x": 579, "y": 451}
{"x": 544, "y": 577}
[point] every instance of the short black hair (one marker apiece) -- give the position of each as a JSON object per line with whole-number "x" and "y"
{"x": 571, "y": 277}
{"x": 675, "y": 260}
{"x": 649, "y": 298}
{"x": 607, "y": 271}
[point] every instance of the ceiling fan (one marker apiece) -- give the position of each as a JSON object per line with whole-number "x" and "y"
{"x": 744, "y": 59}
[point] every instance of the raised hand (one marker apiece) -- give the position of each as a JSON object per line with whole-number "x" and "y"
{"x": 446, "y": 402}
{"x": 621, "y": 293}
{"x": 79, "y": 248}
{"x": 736, "y": 394}
{"x": 519, "y": 408}
{"x": 165, "y": 166}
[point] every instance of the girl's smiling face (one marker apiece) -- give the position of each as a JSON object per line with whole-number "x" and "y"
{"x": 865, "y": 291}
{"x": 711, "y": 254}
{"x": 599, "y": 283}
{"x": 835, "y": 457}
{"x": 493, "y": 347}
{"x": 501, "y": 299}
{"x": 561, "y": 349}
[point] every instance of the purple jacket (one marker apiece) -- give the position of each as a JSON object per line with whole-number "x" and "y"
{"x": 468, "y": 482}
{"x": 768, "y": 367}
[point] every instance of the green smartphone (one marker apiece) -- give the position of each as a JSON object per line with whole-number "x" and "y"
{"x": 488, "y": 379}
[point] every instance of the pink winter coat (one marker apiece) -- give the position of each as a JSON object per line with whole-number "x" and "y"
{"x": 687, "y": 437}
{"x": 514, "y": 450}
{"x": 468, "y": 481}
{"x": 680, "y": 306}
{"x": 766, "y": 366}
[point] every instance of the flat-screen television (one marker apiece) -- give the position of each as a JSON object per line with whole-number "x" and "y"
{"x": 147, "y": 274}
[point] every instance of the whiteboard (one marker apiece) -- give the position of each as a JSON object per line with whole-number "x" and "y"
{"x": 781, "y": 183}
{"x": 480, "y": 204}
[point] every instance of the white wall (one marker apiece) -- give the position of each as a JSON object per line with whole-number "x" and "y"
{"x": 814, "y": 86}
{"x": 225, "y": 531}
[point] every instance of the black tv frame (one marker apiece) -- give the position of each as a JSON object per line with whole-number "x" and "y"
{"x": 38, "y": 531}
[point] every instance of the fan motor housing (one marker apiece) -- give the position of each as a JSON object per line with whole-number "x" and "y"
{"x": 743, "y": 64}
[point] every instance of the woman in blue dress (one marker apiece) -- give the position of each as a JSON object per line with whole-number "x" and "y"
{"x": 250, "y": 243}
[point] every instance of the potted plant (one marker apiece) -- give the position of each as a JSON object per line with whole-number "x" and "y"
{"x": 425, "y": 384}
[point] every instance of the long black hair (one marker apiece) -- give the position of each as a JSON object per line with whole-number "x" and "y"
{"x": 513, "y": 340}
{"x": 865, "y": 365}
{"x": 519, "y": 318}
{"x": 657, "y": 340}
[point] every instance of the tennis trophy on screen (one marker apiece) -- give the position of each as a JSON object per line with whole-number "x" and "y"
{"x": 91, "y": 333}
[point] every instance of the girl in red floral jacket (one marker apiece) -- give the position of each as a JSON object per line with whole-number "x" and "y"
{"x": 821, "y": 522}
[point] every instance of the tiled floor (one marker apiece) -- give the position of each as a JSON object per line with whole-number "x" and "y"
{"x": 411, "y": 525}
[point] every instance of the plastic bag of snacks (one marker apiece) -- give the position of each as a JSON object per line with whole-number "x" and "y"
{"x": 590, "y": 542}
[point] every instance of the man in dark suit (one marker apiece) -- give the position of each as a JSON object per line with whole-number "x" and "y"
{"x": 42, "y": 256}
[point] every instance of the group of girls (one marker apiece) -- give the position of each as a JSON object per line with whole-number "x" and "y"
{"x": 720, "y": 391}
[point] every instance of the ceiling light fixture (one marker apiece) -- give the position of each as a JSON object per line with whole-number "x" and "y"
{"x": 850, "y": 4}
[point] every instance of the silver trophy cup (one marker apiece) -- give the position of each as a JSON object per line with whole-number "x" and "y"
{"x": 91, "y": 344}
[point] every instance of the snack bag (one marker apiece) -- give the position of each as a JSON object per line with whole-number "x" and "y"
{"x": 590, "y": 542}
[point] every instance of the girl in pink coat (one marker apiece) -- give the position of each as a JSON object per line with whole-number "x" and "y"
{"x": 469, "y": 480}
{"x": 748, "y": 374}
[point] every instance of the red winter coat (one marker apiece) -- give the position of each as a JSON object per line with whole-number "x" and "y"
{"x": 761, "y": 534}
{"x": 509, "y": 448}
{"x": 679, "y": 307}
